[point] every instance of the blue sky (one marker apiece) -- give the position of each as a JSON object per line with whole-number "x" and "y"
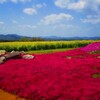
{"x": 65, "y": 18}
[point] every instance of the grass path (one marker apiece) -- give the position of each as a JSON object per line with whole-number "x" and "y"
{"x": 48, "y": 51}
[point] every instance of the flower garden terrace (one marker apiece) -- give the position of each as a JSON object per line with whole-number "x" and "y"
{"x": 67, "y": 75}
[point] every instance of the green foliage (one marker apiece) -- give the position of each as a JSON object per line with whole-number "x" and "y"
{"x": 48, "y": 51}
{"x": 42, "y": 45}
{"x": 24, "y": 39}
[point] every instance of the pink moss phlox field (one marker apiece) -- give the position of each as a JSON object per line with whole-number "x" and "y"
{"x": 56, "y": 76}
{"x": 92, "y": 47}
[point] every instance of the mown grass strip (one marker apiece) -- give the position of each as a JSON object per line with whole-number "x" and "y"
{"x": 48, "y": 51}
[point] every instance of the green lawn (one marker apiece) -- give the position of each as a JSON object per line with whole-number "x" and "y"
{"x": 48, "y": 51}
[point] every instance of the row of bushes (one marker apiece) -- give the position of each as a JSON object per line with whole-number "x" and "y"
{"x": 29, "y": 46}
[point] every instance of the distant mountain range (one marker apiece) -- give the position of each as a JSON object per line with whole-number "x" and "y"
{"x": 70, "y": 38}
{"x": 14, "y": 37}
{"x": 11, "y": 37}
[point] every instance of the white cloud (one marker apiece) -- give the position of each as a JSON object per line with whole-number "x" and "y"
{"x": 91, "y": 19}
{"x": 14, "y": 22}
{"x": 27, "y": 26}
{"x": 14, "y": 1}
{"x": 62, "y": 3}
{"x": 70, "y": 4}
{"x": 2, "y": 1}
{"x": 64, "y": 26}
{"x": 78, "y": 5}
{"x": 41, "y": 5}
{"x": 56, "y": 18}
{"x": 30, "y": 11}
{"x": 88, "y": 6}
{"x": 33, "y": 10}
{"x": 1, "y": 23}
{"x": 23, "y": 1}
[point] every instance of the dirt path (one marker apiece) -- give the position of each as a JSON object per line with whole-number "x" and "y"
{"x": 7, "y": 96}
